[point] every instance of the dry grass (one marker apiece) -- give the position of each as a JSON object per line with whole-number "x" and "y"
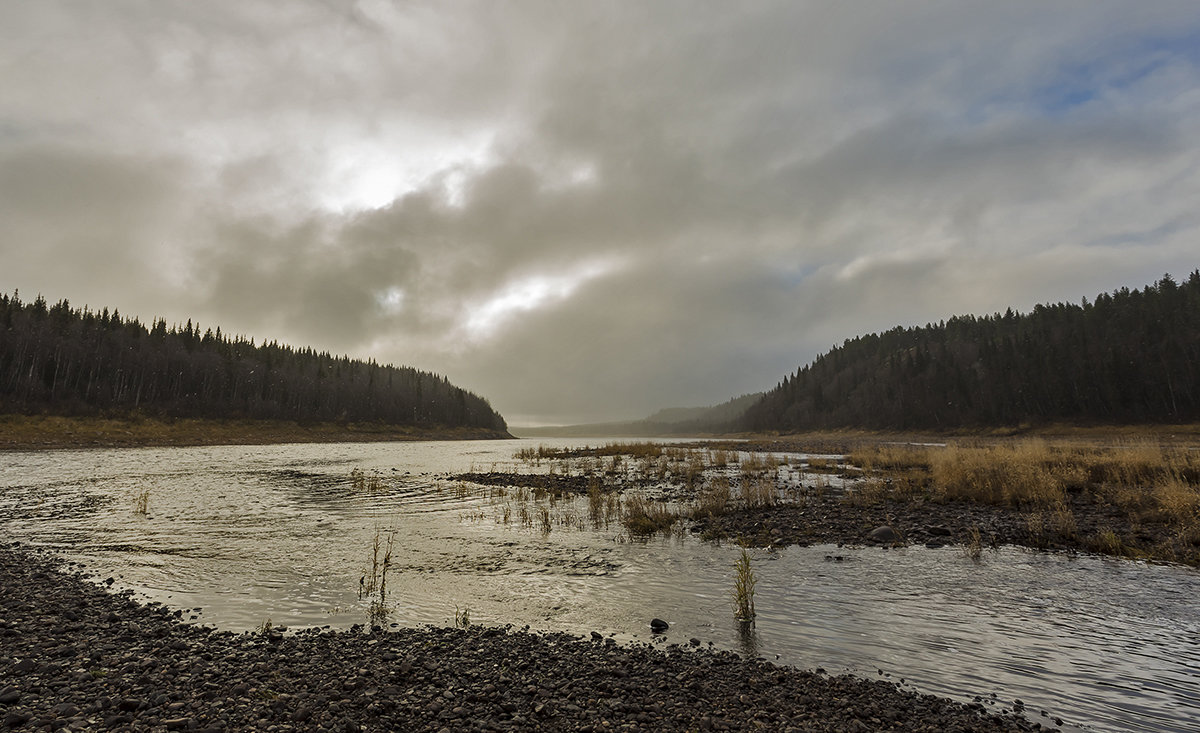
{"x": 974, "y": 546}
{"x": 869, "y": 492}
{"x": 1178, "y": 500}
{"x": 714, "y": 500}
{"x": 758, "y": 490}
{"x": 49, "y": 431}
{"x": 141, "y": 502}
{"x": 1019, "y": 476}
{"x": 889, "y": 457}
{"x": 644, "y": 518}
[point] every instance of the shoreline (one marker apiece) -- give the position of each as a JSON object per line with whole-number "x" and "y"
{"x": 75, "y": 656}
{"x": 52, "y": 432}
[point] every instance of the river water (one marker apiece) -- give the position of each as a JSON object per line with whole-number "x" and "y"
{"x": 250, "y": 533}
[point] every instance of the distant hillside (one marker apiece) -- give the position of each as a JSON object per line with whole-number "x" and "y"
{"x": 669, "y": 421}
{"x": 707, "y": 417}
{"x": 63, "y": 361}
{"x": 1128, "y": 357}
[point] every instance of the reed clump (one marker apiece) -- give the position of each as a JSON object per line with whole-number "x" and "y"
{"x": 868, "y": 492}
{"x": 744, "y": 583}
{"x": 644, "y": 518}
{"x": 372, "y": 584}
{"x": 141, "y": 502}
{"x": 974, "y": 545}
{"x": 713, "y": 500}
{"x": 758, "y": 490}
{"x": 1177, "y": 500}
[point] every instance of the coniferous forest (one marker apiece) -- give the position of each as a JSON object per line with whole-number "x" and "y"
{"x": 1131, "y": 356}
{"x": 65, "y": 361}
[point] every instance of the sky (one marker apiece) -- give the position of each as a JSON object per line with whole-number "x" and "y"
{"x": 588, "y": 211}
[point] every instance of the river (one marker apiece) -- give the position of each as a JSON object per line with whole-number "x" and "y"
{"x": 250, "y": 533}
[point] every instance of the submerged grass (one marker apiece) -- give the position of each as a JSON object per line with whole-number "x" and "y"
{"x": 141, "y": 502}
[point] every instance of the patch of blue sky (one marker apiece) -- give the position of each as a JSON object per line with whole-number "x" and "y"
{"x": 792, "y": 277}
{"x": 1147, "y": 237}
{"x": 1111, "y": 69}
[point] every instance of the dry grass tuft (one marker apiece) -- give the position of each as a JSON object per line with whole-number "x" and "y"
{"x": 644, "y": 518}
{"x": 141, "y": 502}
{"x": 714, "y": 500}
{"x": 743, "y": 588}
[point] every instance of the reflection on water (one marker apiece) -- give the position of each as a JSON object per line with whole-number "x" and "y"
{"x": 281, "y": 532}
{"x": 748, "y": 639}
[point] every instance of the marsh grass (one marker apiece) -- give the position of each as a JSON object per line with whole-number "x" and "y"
{"x": 1017, "y": 476}
{"x": 1107, "y": 542}
{"x": 758, "y": 490}
{"x": 644, "y": 518}
{"x": 868, "y": 492}
{"x": 744, "y": 583}
{"x": 713, "y": 500}
{"x": 363, "y": 483}
{"x": 141, "y": 502}
{"x": 1178, "y": 500}
{"x": 372, "y": 585}
{"x": 974, "y": 545}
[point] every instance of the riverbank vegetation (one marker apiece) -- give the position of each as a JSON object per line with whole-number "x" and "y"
{"x": 1129, "y": 498}
{"x": 59, "y": 360}
{"x": 25, "y": 432}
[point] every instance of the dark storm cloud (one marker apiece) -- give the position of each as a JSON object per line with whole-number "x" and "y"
{"x": 590, "y": 211}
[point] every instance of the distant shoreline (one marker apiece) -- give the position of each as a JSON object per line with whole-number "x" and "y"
{"x": 45, "y": 432}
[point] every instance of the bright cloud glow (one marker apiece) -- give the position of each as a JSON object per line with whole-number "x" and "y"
{"x": 529, "y": 294}
{"x": 368, "y": 174}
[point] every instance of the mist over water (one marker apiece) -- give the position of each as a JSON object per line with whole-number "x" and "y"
{"x": 248, "y": 533}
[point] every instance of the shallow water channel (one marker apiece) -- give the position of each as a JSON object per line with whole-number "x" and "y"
{"x": 248, "y": 533}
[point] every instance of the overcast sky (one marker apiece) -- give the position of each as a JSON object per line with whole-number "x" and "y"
{"x": 592, "y": 210}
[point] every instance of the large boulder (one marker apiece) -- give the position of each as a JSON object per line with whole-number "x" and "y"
{"x": 883, "y": 535}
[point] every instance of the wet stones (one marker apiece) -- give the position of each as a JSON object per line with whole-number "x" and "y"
{"x": 658, "y": 626}
{"x": 151, "y": 673}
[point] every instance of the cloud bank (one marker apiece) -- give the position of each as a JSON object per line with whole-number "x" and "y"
{"x": 589, "y": 211}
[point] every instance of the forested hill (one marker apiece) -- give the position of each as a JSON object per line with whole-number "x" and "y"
{"x": 65, "y": 361}
{"x": 1132, "y": 356}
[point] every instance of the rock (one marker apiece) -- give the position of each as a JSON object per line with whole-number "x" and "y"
{"x": 66, "y": 710}
{"x": 658, "y": 626}
{"x": 9, "y": 695}
{"x": 16, "y": 719}
{"x": 883, "y": 533}
{"x": 597, "y": 636}
{"x": 937, "y": 530}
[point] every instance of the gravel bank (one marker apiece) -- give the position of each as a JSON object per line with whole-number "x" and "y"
{"x": 75, "y": 657}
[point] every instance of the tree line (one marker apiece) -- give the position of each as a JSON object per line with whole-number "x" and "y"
{"x": 68, "y": 361}
{"x": 1130, "y": 356}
